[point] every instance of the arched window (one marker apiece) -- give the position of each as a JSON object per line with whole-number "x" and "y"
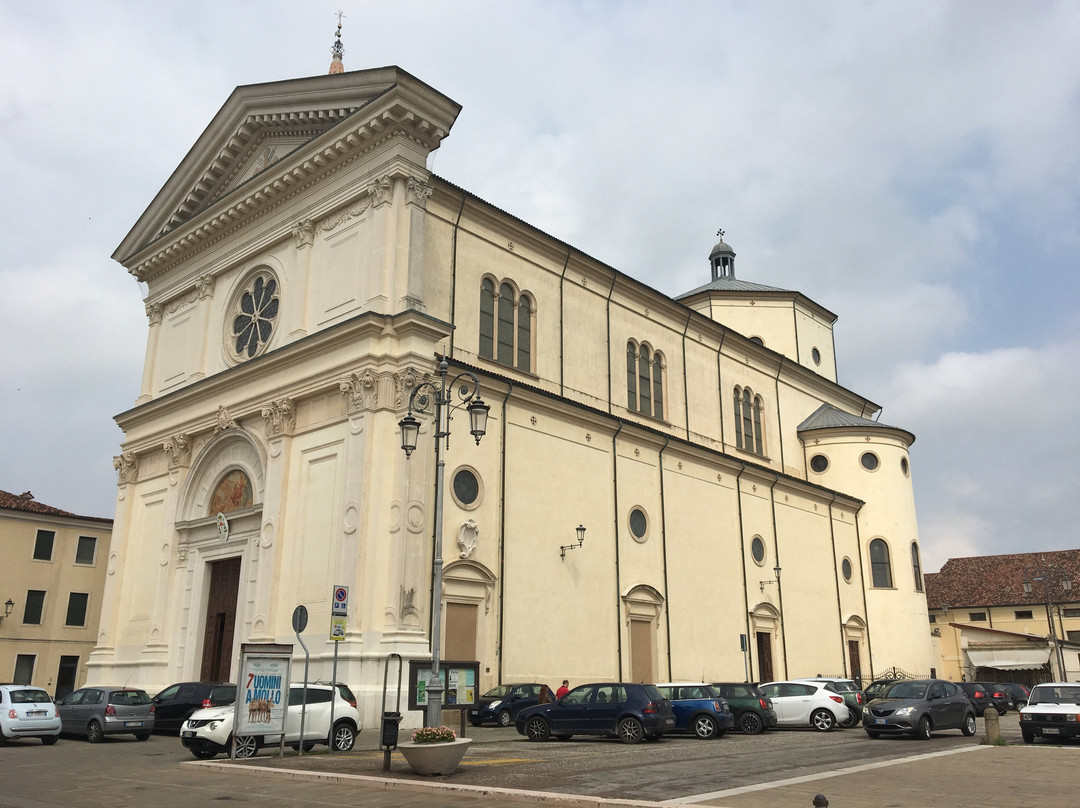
{"x": 505, "y": 325}
{"x": 880, "y": 566}
{"x": 749, "y": 435}
{"x": 644, "y": 380}
{"x": 916, "y": 567}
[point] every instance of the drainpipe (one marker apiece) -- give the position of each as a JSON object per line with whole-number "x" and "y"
{"x": 618, "y": 582}
{"x": 663, "y": 545}
{"x": 742, "y": 559}
{"x": 611, "y": 291}
{"x": 453, "y": 278}
{"x": 502, "y": 532}
{"x": 685, "y": 391}
{"x": 562, "y": 315}
{"x": 836, "y": 580}
{"x": 866, "y": 612}
{"x": 779, "y": 417}
{"x": 779, "y": 585}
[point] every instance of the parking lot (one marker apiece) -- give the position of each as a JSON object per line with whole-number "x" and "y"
{"x": 780, "y": 768}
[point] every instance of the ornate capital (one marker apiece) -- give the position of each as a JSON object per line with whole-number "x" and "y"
{"x": 304, "y": 233}
{"x": 204, "y": 286}
{"x": 127, "y": 465}
{"x": 154, "y": 312}
{"x": 417, "y": 192}
{"x": 404, "y": 382}
{"x": 382, "y": 191}
{"x": 224, "y": 421}
{"x": 280, "y": 417}
{"x": 362, "y": 390}
{"x": 178, "y": 448}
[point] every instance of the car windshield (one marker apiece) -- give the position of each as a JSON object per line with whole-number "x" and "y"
{"x": 1056, "y": 694}
{"x": 132, "y": 698}
{"x": 906, "y": 690}
{"x": 500, "y": 692}
{"x": 29, "y": 696}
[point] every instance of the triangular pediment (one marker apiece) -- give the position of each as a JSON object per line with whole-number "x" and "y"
{"x": 261, "y": 126}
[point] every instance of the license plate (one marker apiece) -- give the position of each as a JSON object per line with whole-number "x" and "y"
{"x": 1051, "y": 731}
{"x": 187, "y": 733}
{"x": 36, "y": 713}
{"x": 133, "y": 723}
{"x": 880, "y": 721}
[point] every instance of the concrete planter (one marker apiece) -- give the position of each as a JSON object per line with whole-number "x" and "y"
{"x": 435, "y": 758}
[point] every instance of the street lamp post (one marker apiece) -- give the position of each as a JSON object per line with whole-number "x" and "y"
{"x": 438, "y": 401}
{"x": 1051, "y": 577}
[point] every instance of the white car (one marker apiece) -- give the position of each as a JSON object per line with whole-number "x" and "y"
{"x": 28, "y": 712}
{"x": 209, "y": 732}
{"x": 806, "y": 704}
{"x": 1052, "y": 712}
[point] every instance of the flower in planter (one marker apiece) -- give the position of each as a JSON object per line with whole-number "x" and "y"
{"x": 434, "y": 735}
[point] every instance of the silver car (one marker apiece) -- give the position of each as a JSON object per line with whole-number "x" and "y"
{"x": 99, "y": 711}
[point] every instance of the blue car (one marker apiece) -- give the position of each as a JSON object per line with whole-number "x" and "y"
{"x": 698, "y": 708}
{"x": 630, "y": 712}
{"x": 501, "y": 704}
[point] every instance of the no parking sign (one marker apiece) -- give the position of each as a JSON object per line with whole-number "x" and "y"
{"x": 340, "y": 607}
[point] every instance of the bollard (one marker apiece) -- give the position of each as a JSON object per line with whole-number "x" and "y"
{"x": 993, "y": 725}
{"x": 820, "y": 801}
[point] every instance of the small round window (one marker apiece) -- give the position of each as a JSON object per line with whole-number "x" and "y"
{"x": 815, "y": 354}
{"x": 845, "y": 568}
{"x": 639, "y": 524}
{"x": 757, "y": 550}
{"x": 466, "y": 488}
{"x": 757, "y": 341}
{"x": 904, "y": 466}
{"x": 819, "y": 463}
{"x": 869, "y": 461}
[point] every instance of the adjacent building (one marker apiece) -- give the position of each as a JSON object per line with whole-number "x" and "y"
{"x": 1007, "y": 618}
{"x": 51, "y": 585}
{"x": 744, "y": 513}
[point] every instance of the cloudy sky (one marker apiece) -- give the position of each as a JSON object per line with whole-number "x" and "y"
{"x": 914, "y": 166}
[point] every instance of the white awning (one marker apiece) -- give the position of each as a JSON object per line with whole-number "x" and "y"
{"x": 1009, "y": 659}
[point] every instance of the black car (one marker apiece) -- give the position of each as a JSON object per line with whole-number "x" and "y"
{"x": 501, "y": 704}
{"x": 630, "y": 712}
{"x": 877, "y": 687}
{"x": 174, "y": 704}
{"x": 919, "y": 707}
{"x": 753, "y": 710}
{"x": 1018, "y": 692}
{"x": 978, "y": 694}
{"x": 1001, "y": 697}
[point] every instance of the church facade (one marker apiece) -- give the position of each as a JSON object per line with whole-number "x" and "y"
{"x": 744, "y": 515}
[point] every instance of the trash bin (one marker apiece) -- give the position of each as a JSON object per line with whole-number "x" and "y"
{"x": 390, "y": 723}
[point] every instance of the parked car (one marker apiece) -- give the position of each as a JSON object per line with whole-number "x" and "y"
{"x": 209, "y": 732}
{"x": 1052, "y": 711}
{"x": 99, "y": 711}
{"x": 1001, "y": 697}
{"x": 501, "y": 704}
{"x": 174, "y": 704}
{"x": 849, "y": 691}
{"x": 630, "y": 712}
{"x": 806, "y": 704}
{"x": 978, "y": 694}
{"x": 698, "y": 708}
{"x": 919, "y": 707}
{"x": 27, "y": 712}
{"x": 752, "y": 709}
{"x": 1018, "y": 692}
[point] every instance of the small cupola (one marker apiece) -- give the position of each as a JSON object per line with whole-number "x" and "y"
{"x": 722, "y": 259}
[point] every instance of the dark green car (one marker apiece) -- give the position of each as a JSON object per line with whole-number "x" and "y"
{"x": 752, "y": 709}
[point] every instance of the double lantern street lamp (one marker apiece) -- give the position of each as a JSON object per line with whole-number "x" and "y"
{"x": 438, "y": 401}
{"x": 1051, "y": 578}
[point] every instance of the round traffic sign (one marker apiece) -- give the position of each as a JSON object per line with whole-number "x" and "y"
{"x": 299, "y": 619}
{"x": 341, "y": 594}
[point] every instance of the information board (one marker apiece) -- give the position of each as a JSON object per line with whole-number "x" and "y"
{"x": 459, "y": 682}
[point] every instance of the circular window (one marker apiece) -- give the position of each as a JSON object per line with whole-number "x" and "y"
{"x": 757, "y": 550}
{"x": 466, "y": 488}
{"x": 757, "y": 341}
{"x": 639, "y": 524}
{"x": 819, "y": 463}
{"x": 869, "y": 461}
{"x": 252, "y": 316}
{"x": 815, "y": 354}
{"x": 904, "y": 466}
{"x": 845, "y": 569}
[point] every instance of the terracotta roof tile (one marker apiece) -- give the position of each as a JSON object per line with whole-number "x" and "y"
{"x": 27, "y": 504}
{"x": 999, "y": 580}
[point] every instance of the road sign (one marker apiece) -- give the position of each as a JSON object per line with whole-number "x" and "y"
{"x": 340, "y": 601}
{"x": 299, "y": 619}
{"x": 337, "y": 628}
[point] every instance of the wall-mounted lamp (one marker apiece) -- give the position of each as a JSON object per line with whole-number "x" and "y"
{"x": 776, "y": 580}
{"x": 8, "y": 606}
{"x": 580, "y": 541}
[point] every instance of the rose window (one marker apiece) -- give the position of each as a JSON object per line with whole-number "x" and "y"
{"x": 254, "y": 320}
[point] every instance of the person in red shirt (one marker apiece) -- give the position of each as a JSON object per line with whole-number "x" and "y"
{"x": 562, "y": 691}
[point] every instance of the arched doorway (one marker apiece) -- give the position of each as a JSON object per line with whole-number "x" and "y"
{"x": 765, "y": 625}
{"x": 641, "y": 607}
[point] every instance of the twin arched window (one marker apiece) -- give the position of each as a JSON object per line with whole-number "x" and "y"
{"x": 644, "y": 380}
{"x": 748, "y": 430}
{"x": 506, "y": 325}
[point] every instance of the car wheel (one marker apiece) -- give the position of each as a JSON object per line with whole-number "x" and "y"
{"x": 750, "y": 723}
{"x": 1020, "y": 705}
{"x": 1002, "y": 711}
{"x": 853, "y": 719}
{"x": 246, "y": 746}
{"x": 1029, "y": 738}
{"x": 504, "y": 718}
{"x": 204, "y": 752}
{"x": 536, "y": 729}
{"x": 872, "y": 735}
{"x": 142, "y": 736}
{"x": 630, "y": 730}
{"x": 49, "y": 740}
{"x": 94, "y": 732}
{"x": 969, "y": 725}
{"x": 822, "y": 720}
{"x": 343, "y": 737}
{"x": 704, "y": 726}
{"x": 922, "y": 732}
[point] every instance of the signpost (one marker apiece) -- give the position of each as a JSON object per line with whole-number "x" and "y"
{"x": 339, "y": 611}
{"x": 299, "y": 623}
